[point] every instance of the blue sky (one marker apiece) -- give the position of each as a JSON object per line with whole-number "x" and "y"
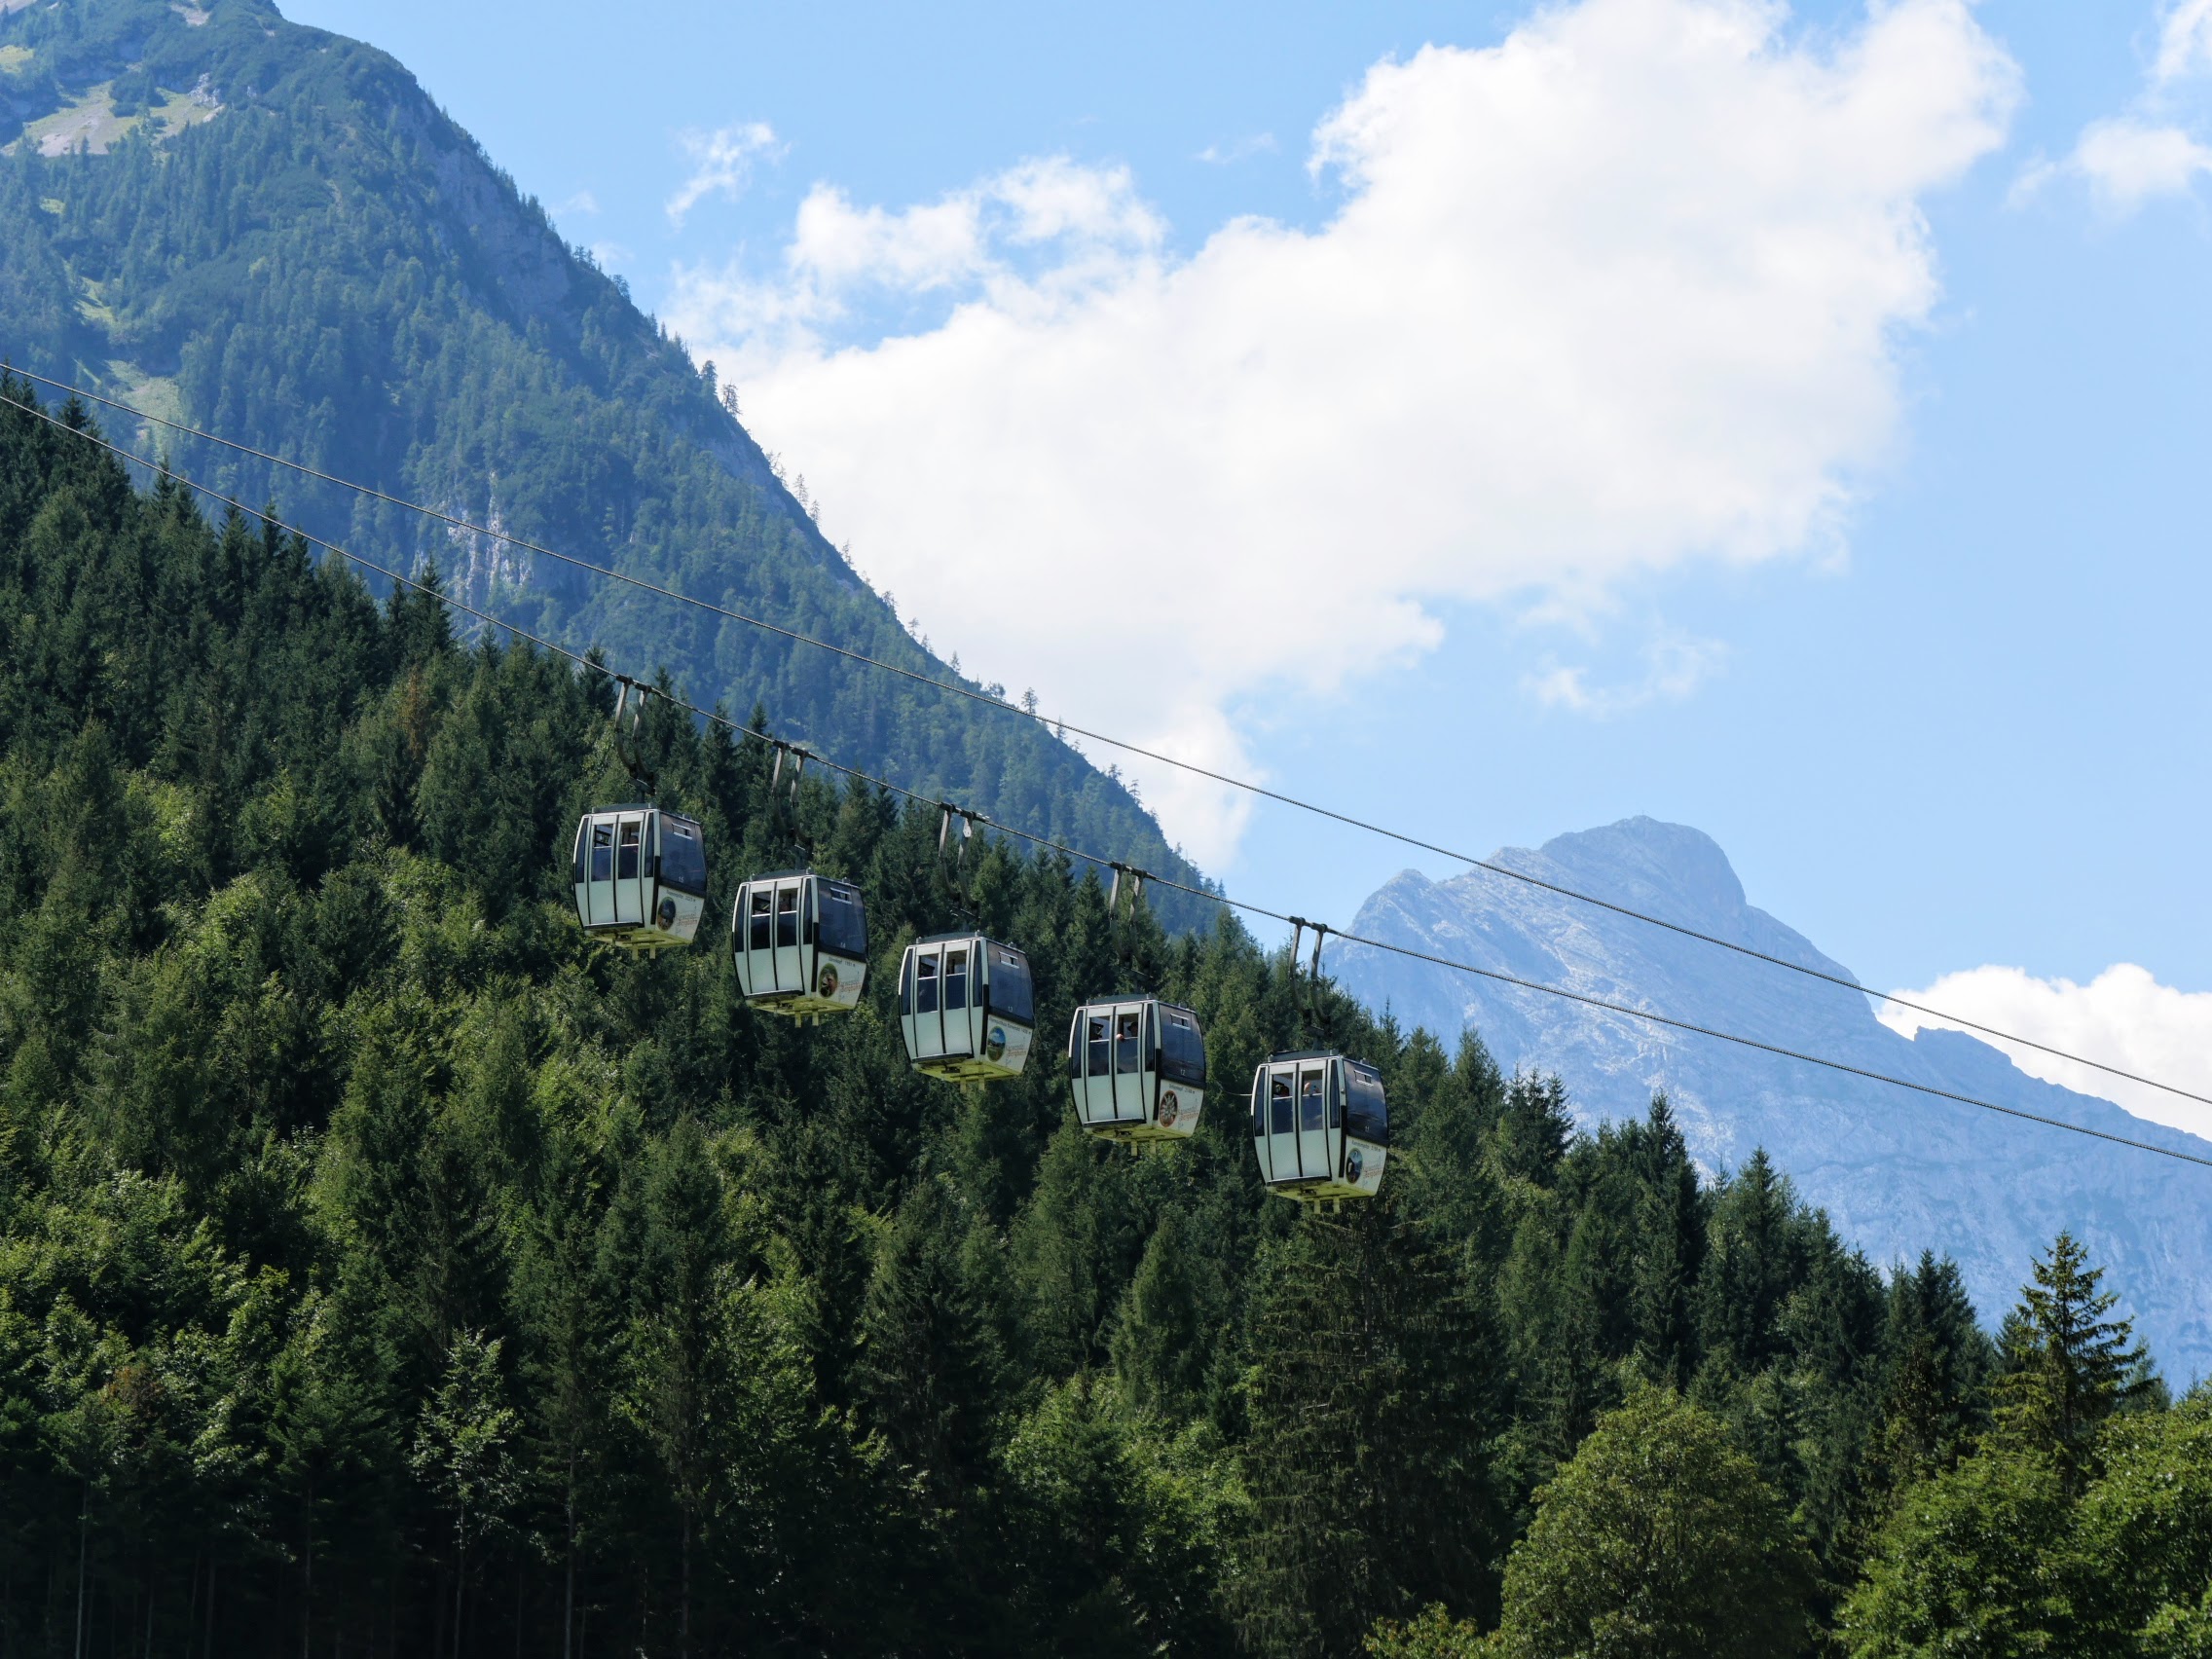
{"x": 1925, "y": 651}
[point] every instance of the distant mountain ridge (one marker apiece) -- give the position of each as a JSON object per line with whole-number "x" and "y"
{"x": 1897, "y": 1170}
{"x": 273, "y": 232}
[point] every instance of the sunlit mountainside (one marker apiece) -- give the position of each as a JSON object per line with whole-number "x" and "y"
{"x": 271, "y": 232}
{"x": 1896, "y": 1170}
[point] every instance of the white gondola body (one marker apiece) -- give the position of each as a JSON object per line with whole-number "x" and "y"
{"x": 1137, "y": 1067}
{"x": 967, "y": 1007}
{"x": 640, "y": 875}
{"x": 800, "y": 942}
{"x": 1319, "y": 1127}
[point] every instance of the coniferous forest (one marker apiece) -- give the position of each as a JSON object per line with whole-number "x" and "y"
{"x": 384, "y": 1269}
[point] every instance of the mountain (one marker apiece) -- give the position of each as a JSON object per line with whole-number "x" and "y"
{"x": 273, "y": 232}
{"x": 1896, "y": 1170}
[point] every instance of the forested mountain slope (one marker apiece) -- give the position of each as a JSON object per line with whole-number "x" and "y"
{"x": 271, "y": 232}
{"x": 385, "y": 1271}
{"x": 1898, "y": 1173}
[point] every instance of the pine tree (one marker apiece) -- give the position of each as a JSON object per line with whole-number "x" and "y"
{"x": 2066, "y": 1367}
{"x": 464, "y": 1452}
{"x": 1370, "y": 1405}
{"x": 1670, "y": 1249}
{"x": 1934, "y": 1365}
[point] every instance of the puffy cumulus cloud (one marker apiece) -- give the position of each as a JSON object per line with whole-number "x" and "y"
{"x": 2127, "y": 162}
{"x": 1622, "y": 290}
{"x": 2149, "y": 150}
{"x": 2123, "y": 1017}
{"x": 722, "y": 164}
{"x": 1047, "y": 228}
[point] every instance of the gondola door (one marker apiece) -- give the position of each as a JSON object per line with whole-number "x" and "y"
{"x": 963, "y": 999}
{"x": 599, "y": 873}
{"x": 1133, "y": 1047}
{"x": 793, "y": 929}
{"x": 1313, "y": 1159}
{"x": 928, "y": 1022}
{"x": 1282, "y": 1140}
{"x": 630, "y": 881}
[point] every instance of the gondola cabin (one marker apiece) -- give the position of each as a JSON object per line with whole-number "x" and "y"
{"x": 801, "y": 944}
{"x": 967, "y": 1007}
{"x": 1138, "y": 1067}
{"x": 1319, "y": 1127}
{"x": 641, "y": 877}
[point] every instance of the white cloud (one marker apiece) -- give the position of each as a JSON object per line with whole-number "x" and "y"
{"x": 584, "y": 203}
{"x": 2184, "y": 42}
{"x": 722, "y": 164}
{"x": 2123, "y": 1017}
{"x": 1675, "y": 666}
{"x": 1620, "y": 291}
{"x": 1238, "y": 149}
{"x": 2127, "y": 162}
{"x": 2148, "y": 150}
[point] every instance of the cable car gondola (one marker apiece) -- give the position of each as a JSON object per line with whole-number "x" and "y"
{"x": 801, "y": 944}
{"x": 640, "y": 875}
{"x": 1138, "y": 1069}
{"x": 967, "y": 1007}
{"x": 1319, "y": 1125}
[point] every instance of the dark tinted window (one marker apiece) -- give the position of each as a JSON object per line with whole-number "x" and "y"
{"x": 1280, "y": 1116}
{"x": 1096, "y": 1040}
{"x": 756, "y": 924}
{"x": 786, "y": 916}
{"x": 626, "y": 854}
{"x": 844, "y": 923}
{"x": 925, "y": 984}
{"x": 602, "y": 852}
{"x": 1370, "y": 1117}
{"x": 1010, "y": 992}
{"x": 1182, "y": 1049}
{"x": 682, "y": 857}
{"x": 955, "y": 980}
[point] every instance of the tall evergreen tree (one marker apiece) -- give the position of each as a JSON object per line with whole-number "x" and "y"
{"x": 2066, "y": 1366}
{"x": 1369, "y": 1415}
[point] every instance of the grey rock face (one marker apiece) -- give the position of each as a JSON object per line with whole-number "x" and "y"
{"x": 1897, "y": 1170}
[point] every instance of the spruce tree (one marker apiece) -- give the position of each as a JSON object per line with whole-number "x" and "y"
{"x": 2066, "y": 1366}
{"x": 1370, "y": 1417}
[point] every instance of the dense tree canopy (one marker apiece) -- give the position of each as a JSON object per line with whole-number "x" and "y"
{"x": 1659, "y": 1541}
{"x": 384, "y": 1269}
